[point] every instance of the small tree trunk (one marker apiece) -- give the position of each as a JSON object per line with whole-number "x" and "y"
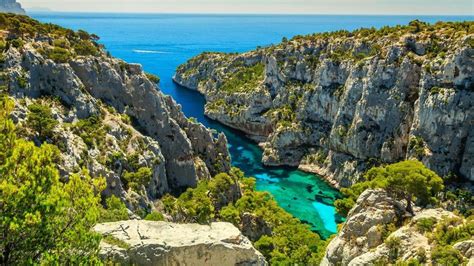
{"x": 409, "y": 205}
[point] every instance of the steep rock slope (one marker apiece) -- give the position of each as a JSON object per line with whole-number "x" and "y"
{"x": 378, "y": 231}
{"x": 11, "y": 6}
{"x": 161, "y": 243}
{"x": 338, "y": 103}
{"x": 111, "y": 118}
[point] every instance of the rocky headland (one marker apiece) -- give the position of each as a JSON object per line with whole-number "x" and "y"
{"x": 11, "y": 6}
{"x": 340, "y": 103}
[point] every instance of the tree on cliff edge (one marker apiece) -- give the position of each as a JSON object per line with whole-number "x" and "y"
{"x": 407, "y": 180}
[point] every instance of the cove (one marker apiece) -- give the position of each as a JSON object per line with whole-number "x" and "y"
{"x": 161, "y": 42}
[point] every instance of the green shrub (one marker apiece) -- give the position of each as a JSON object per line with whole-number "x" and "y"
{"x": 17, "y": 43}
{"x": 115, "y": 210}
{"x": 110, "y": 239}
{"x": 195, "y": 205}
{"x": 446, "y": 255}
{"x": 22, "y": 80}
{"x": 62, "y": 43}
{"x": 386, "y": 229}
{"x": 153, "y": 78}
{"x": 426, "y": 224}
{"x": 154, "y": 216}
{"x": 343, "y": 206}
{"x": 135, "y": 180}
{"x": 3, "y": 45}
{"x": 244, "y": 80}
{"x": 393, "y": 244}
{"x": 92, "y": 131}
{"x": 40, "y": 119}
{"x": 452, "y": 230}
{"x": 435, "y": 90}
{"x": 86, "y": 48}
{"x": 417, "y": 144}
{"x": 58, "y": 54}
{"x": 230, "y": 214}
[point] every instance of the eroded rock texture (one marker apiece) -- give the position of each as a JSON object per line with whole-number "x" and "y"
{"x": 161, "y": 243}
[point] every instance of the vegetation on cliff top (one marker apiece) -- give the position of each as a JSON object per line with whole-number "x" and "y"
{"x": 63, "y": 44}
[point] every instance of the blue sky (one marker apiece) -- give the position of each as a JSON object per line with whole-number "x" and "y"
{"x": 420, "y": 7}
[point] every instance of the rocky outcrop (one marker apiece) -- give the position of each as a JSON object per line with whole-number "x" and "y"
{"x": 11, "y": 6}
{"x": 339, "y": 103}
{"x": 161, "y": 243}
{"x": 375, "y": 219}
{"x": 362, "y": 230}
{"x": 134, "y": 125}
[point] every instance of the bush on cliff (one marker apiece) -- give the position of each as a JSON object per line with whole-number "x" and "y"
{"x": 43, "y": 220}
{"x": 40, "y": 119}
{"x": 244, "y": 80}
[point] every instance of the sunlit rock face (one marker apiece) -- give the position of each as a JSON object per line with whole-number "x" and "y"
{"x": 160, "y": 243}
{"x": 339, "y": 103}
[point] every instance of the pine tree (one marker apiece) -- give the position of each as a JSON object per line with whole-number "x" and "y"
{"x": 43, "y": 219}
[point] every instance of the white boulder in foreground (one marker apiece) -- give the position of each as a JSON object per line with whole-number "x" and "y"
{"x": 141, "y": 242}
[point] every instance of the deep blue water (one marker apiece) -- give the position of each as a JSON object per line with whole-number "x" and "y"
{"x": 161, "y": 42}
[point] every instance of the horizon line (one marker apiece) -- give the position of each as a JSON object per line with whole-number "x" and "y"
{"x": 32, "y": 10}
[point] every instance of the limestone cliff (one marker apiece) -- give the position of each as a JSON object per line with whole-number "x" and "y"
{"x": 379, "y": 232}
{"x": 161, "y": 243}
{"x": 111, "y": 118}
{"x": 11, "y": 6}
{"x": 338, "y": 103}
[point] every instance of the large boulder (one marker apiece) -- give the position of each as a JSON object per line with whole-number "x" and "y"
{"x": 161, "y": 243}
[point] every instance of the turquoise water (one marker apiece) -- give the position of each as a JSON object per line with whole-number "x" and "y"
{"x": 161, "y": 42}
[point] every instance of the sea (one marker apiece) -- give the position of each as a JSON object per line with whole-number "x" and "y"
{"x": 161, "y": 42}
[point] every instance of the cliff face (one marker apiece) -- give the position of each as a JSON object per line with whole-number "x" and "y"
{"x": 338, "y": 103}
{"x": 379, "y": 232}
{"x": 11, "y": 6}
{"x": 111, "y": 118}
{"x": 161, "y": 243}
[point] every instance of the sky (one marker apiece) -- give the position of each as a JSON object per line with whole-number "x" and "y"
{"x": 407, "y": 7}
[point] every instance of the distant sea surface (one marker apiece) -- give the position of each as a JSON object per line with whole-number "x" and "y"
{"x": 161, "y": 42}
